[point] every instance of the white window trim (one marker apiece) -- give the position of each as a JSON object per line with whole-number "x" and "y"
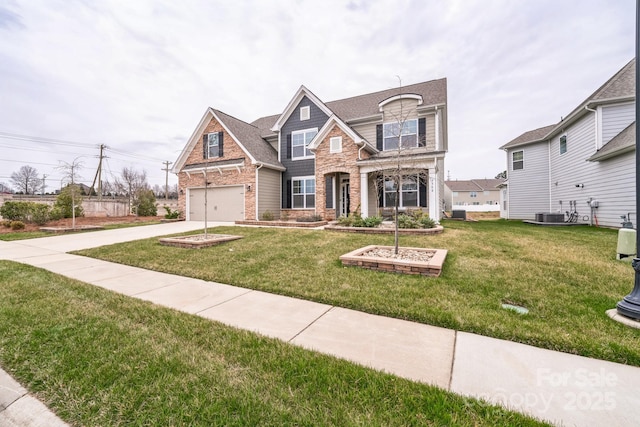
{"x": 303, "y": 131}
{"x": 305, "y": 113}
{"x": 566, "y": 147}
{"x": 384, "y": 139}
{"x": 338, "y": 147}
{"x": 401, "y": 193}
{"x": 512, "y": 161}
{"x": 305, "y": 194}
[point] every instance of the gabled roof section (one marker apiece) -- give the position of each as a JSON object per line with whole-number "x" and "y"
{"x": 474, "y": 184}
{"x": 433, "y": 92}
{"x": 265, "y": 124}
{"x": 530, "y": 137}
{"x": 248, "y": 138}
{"x": 623, "y": 142}
{"x": 301, "y": 93}
{"x": 335, "y": 120}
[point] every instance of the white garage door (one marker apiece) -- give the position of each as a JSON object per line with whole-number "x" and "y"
{"x": 223, "y": 203}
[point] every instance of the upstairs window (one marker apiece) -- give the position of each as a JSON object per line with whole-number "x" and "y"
{"x": 305, "y": 113}
{"x": 300, "y": 143}
{"x": 406, "y": 135}
{"x": 563, "y": 144}
{"x": 335, "y": 144}
{"x": 517, "y": 160}
{"x": 212, "y": 145}
{"x": 473, "y": 194}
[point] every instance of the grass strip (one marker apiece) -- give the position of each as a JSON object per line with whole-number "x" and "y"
{"x": 102, "y": 359}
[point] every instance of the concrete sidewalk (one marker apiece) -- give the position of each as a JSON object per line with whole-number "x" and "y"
{"x": 558, "y": 387}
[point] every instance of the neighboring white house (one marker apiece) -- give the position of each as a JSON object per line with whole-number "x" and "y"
{"x": 585, "y": 160}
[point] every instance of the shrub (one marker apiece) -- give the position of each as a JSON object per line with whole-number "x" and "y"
{"x": 15, "y": 211}
{"x": 146, "y": 203}
{"x": 6, "y": 223}
{"x": 68, "y": 196}
{"x": 407, "y": 221}
{"x": 171, "y": 214}
{"x": 426, "y": 222}
{"x": 356, "y": 220}
{"x": 17, "y": 225}
{"x": 40, "y": 213}
{"x": 267, "y": 216}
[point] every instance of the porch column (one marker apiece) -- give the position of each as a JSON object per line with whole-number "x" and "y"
{"x": 364, "y": 195}
{"x": 434, "y": 195}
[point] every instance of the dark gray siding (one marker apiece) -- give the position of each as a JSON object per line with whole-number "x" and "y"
{"x": 304, "y": 167}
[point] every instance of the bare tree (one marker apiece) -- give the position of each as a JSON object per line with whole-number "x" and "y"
{"x": 70, "y": 172}
{"x": 399, "y": 174}
{"x": 4, "y": 187}
{"x": 131, "y": 182}
{"x": 26, "y": 180}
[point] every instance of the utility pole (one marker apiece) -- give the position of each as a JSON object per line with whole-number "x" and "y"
{"x": 98, "y": 175}
{"x": 166, "y": 179}
{"x": 44, "y": 177}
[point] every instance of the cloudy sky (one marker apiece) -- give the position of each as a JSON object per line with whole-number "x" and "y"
{"x": 138, "y": 75}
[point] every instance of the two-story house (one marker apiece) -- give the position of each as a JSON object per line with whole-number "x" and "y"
{"x": 583, "y": 164}
{"x": 316, "y": 158}
{"x": 473, "y": 194}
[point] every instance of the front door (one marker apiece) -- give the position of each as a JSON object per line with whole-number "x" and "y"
{"x": 344, "y": 197}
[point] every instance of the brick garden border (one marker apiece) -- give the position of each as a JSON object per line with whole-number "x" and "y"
{"x": 300, "y": 224}
{"x": 189, "y": 242}
{"x": 431, "y": 268}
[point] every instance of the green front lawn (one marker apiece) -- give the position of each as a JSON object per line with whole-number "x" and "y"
{"x": 567, "y": 277}
{"x": 102, "y": 359}
{"x": 24, "y": 235}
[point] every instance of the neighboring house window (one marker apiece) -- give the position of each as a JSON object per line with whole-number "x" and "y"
{"x": 455, "y": 194}
{"x": 335, "y": 144}
{"x": 517, "y": 160}
{"x": 408, "y": 135}
{"x": 475, "y": 203}
{"x": 212, "y": 145}
{"x": 473, "y": 194}
{"x": 408, "y": 192}
{"x": 563, "y": 144}
{"x": 300, "y": 140}
{"x": 304, "y": 192}
{"x": 305, "y": 113}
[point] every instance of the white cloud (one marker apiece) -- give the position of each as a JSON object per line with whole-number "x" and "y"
{"x": 138, "y": 76}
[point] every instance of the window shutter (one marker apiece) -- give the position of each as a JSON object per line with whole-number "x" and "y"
{"x": 422, "y": 132}
{"x": 328, "y": 191}
{"x": 379, "y": 140}
{"x": 381, "y": 194}
{"x": 288, "y": 146}
{"x": 287, "y": 202}
{"x": 422, "y": 192}
{"x": 220, "y": 139}
{"x": 205, "y": 144}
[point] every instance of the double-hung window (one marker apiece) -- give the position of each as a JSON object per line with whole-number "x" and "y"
{"x": 304, "y": 192}
{"x": 300, "y": 140}
{"x": 408, "y": 191}
{"x": 473, "y": 194}
{"x": 517, "y": 158}
{"x": 405, "y": 134}
{"x": 213, "y": 145}
{"x": 563, "y": 144}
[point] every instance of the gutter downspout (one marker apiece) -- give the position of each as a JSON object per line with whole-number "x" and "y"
{"x": 586, "y": 107}
{"x": 360, "y": 151}
{"x": 257, "y": 191}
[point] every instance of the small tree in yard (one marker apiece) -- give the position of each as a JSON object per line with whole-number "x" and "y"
{"x": 68, "y": 197}
{"x": 145, "y": 203}
{"x": 70, "y": 171}
{"x": 131, "y": 182}
{"x": 400, "y": 173}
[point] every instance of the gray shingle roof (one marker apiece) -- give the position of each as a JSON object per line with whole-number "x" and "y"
{"x": 474, "y": 184}
{"x": 251, "y": 138}
{"x": 623, "y": 142}
{"x": 529, "y": 137}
